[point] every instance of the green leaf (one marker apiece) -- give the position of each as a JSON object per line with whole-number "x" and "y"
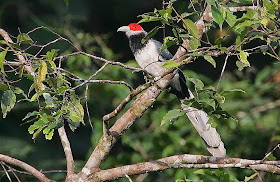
{"x": 30, "y": 114}
{"x": 73, "y": 125}
{"x": 166, "y": 14}
{"x": 24, "y": 39}
{"x": 21, "y": 70}
{"x": 171, "y": 64}
{"x": 49, "y": 135}
{"x": 189, "y": 24}
{"x": 172, "y": 116}
{"x": 168, "y": 41}
{"x": 250, "y": 177}
{"x": 240, "y": 65}
{"x": 32, "y": 87}
{"x": 3, "y": 86}
{"x": 146, "y": 18}
{"x": 217, "y": 16}
{"x": 210, "y": 60}
{"x": 19, "y": 91}
{"x": 219, "y": 98}
{"x": 36, "y": 134}
{"x": 247, "y": 23}
{"x": 32, "y": 128}
{"x": 49, "y": 128}
{"x": 43, "y": 70}
{"x": 230, "y": 18}
{"x": 75, "y": 111}
{"x": 29, "y": 77}
{"x": 243, "y": 57}
{"x": 48, "y": 100}
{"x": 232, "y": 91}
{"x": 8, "y": 102}
{"x": 150, "y": 35}
{"x": 51, "y": 54}
{"x": 210, "y": 102}
{"x": 197, "y": 83}
{"x": 211, "y": 2}
{"x": 34, "y": 97}
{"x": 52, "y": 64}
{"x": 200, "y": 171}
{"x": 2, "y": 59}
{"x": 186, "y": 14}
{"x": 223, "y": 114}
{"x": 194, "y": 43}
{"x": 239, "y": 39}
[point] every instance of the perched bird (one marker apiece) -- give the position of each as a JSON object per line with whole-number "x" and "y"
{"x": 150, "y": 57}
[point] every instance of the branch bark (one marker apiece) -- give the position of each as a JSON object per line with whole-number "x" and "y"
{"x": 185, "y": 161}
{"x": 68, "y": 153}
{"x": 40, "y": 176}
{"x": 122, "y": 124}
{"x": 20, "y": 57}
{"x": 137, "y": 109}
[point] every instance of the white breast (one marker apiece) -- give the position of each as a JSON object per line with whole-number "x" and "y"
{"x": 148, "y": 59}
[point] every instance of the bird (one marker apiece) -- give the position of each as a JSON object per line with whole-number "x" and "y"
{"x": 150, "y": 57}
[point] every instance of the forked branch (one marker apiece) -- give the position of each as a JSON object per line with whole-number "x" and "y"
{"x": 39, "y": 175}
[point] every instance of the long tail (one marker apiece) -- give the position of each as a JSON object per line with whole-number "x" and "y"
{"x": 208, "y": 134}
{"x": 197, "y": 117}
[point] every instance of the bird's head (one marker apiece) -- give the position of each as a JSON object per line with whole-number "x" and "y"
{"x": 132, "y": 29}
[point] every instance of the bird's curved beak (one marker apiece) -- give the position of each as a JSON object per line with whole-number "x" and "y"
{"x": 123, "y": 29}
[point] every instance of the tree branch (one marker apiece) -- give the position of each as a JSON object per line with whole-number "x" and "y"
{"x": 185, "y": 161}
{"x": 20, "y": 57}
{"x": 141, "y": 104}
{"x": 125, "y": 101}
{"x": 24, "y": 166}
{"x": 68, "y": 152}
{"x": 106, "y": 142}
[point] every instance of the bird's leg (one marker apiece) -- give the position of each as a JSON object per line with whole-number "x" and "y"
{"x": 147, "y": 77}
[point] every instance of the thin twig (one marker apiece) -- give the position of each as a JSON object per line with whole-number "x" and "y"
{"x": 6, "y": 172}
{"x": 87, "y": 109}
{"x": 13, "y": 171}
{"x": 93, "y": 75}
{"x": 125, "y": 101}
{"x": 258, "y": 174}
{"x": 267, "y": 155}
{"x": 222, "y": 72}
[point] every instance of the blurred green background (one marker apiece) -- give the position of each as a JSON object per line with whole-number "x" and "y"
{"x": 91, "y": 25}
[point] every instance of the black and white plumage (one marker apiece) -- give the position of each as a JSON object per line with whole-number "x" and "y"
{"x": 151, "y": 58}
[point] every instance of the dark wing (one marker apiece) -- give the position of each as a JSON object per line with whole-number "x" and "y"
{"x": 165, "y": 55}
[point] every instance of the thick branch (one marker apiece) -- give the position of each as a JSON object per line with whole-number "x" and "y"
{"x": 242, "y": 8}
{"x": 67, "y": 150}
{"x": 140, "y": 105}
{"x": 122, "y": 124}
{"x": 24, "y": 166}
{"x": 185, "y": 161}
